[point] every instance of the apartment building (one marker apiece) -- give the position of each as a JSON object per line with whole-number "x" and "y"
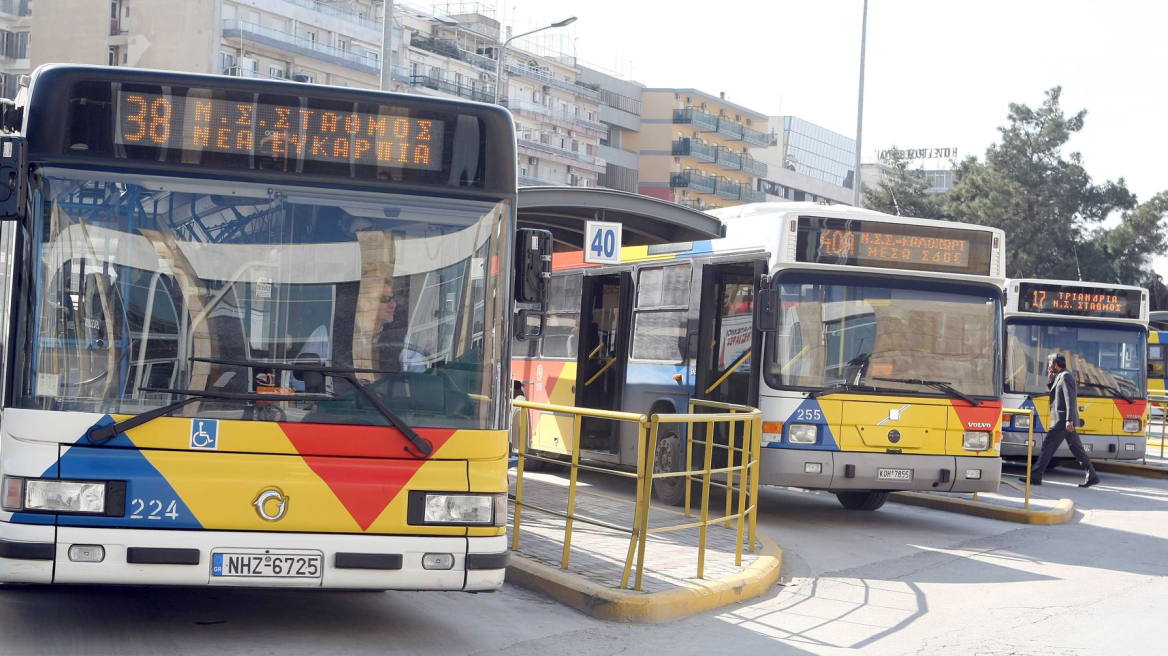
{"x": 695, "y": 148}
{"x": 451, "y": 52}
{"x": 620, "y": 112}
{"x": 15, "y": 30}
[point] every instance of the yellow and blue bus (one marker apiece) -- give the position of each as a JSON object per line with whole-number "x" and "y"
{"x": 1102, "y": 330}
{"x": 871, "y": 343}
{"x": 255, "y": 334}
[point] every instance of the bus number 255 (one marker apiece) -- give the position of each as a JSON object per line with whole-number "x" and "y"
{"x": 808, "y": 414}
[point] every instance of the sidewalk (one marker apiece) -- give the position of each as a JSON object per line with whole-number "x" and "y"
{"x": 669, "y": 588}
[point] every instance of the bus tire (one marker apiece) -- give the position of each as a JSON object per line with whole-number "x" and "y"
{"x": 670, "y": 491}
{"x": 870, "y": 500}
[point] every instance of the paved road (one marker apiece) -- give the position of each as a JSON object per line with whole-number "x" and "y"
{"x": 902, "y": 580}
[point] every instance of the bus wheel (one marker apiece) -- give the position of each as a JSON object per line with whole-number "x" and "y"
{"x": 671, "y": 490}
{"x": 870, "y": 500}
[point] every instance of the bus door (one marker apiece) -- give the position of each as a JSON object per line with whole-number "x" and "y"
{"x": 605, "y": 313}
{"x": 728, "y": 346}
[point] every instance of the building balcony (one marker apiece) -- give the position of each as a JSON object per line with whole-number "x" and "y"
{"x": 480, "y": 94}
{"x": 728, "y": 189}
{"x": 449, "y": 48}
{"x": 755, "y": 137}
{"x": 594, "y": 164}
{"x": 539, "y": 111}
{"x": 327, "y": 10}
{"x": 532, "y": 181}
{"x": 729, "y": 159}
{"x": 18, "y": 8}
{"x": 547, "y": 78}
{"x": 236, "y": 71}
{"x": 704, "y": 121}
{"x": 694, "y": 149}
{"x": 367, "y": 63}
{"x": 400, "y": 74}
{"x": 730, "y": 128}
{"x": 690, "y": 180}
{"x": 753, "y": 166}
{"x": 751, "y": 196}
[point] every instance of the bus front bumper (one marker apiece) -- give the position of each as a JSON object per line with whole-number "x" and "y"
{"x": 851, "y": 470}
{"x": 40, "y": 554}
{"x": 1100, "y": 447}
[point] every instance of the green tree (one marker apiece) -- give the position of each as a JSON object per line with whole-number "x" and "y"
{"x": 1049, "y": 207}
{"x": 902, "y": 191}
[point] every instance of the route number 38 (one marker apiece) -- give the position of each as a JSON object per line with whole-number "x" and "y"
{"x": 808, "y": 414}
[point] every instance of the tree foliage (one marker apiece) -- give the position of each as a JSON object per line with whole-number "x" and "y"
{"x": 902, "y": 191}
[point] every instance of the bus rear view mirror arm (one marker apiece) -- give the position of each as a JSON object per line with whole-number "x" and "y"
{"x": 766, "y": 310}
{"x": 533, "y": 273}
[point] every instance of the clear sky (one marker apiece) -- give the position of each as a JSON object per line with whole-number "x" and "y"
{"x": 939, "y": 73}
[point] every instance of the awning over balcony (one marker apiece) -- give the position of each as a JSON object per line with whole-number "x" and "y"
{"x": 646, "y": 221}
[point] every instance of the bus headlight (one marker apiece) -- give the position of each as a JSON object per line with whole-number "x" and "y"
{"x": 1132, "y": 425}
{"x": 803, "y": 434}
{"x": 480, "y": 509}
{"x": 12, "y": 494}
{"x": 64, "y": 496}
{"x": 1022, "y": 421}
{"x": 976, "y": 441}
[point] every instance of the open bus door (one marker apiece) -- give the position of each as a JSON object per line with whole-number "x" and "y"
{"x": 729, "y": 348}
{"x": 602, "y": 357}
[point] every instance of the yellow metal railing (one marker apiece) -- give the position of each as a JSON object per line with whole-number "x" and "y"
{"x": 1162, "y": 401}
{"x": 1029, "y": 445}
{"x": 745, "y": 471}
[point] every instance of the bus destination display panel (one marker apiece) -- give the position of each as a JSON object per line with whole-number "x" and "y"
{"x": 194, "y": 123}
{"x": 1071, "y": 300}
{"x": 852, "y": 242}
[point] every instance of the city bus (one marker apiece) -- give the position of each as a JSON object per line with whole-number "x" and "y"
{"x": 1102, "y": 330}
{"x": 871, "y": 343}
{"x": 256, "y": 333}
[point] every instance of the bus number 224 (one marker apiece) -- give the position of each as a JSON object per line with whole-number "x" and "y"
{"x": 138, "y": 507}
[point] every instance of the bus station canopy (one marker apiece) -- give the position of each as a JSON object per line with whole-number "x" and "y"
{"x": 645, "y": 220}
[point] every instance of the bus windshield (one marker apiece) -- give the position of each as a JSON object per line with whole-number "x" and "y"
{"x": 138, "y": 284}
{"x": 1099, "y": 355}
{"x": 845, "y": 330}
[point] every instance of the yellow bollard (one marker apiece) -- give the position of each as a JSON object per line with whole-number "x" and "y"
{"x": 646, "y": 495}
{"x": 705, "y": 500}
{"x": 1029, "y": 458}
{"x": 572, "y": 489}
{"x": 519, "y": 478}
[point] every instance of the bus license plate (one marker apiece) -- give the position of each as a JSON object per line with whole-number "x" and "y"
{"x": 258, "y": 565}
{"x": 883, "y": 474}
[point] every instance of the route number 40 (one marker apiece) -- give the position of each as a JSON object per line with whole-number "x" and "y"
{"x": 602, "y": 242}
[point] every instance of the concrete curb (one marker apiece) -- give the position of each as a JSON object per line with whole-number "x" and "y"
{"x": 639, "y": 608}
{"x": 1060, "y": 514}
{"x": 1130, "y": 468}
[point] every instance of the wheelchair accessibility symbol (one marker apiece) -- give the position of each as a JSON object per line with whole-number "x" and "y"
{"x": 205, "y": 434}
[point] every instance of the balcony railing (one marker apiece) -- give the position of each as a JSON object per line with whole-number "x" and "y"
{"x": 690, "y": 180}
{"x": 449, "y": 48}
{"x": 755, "y": 137}
{"x": 540, "y": 110}
{"x": 400, "y": 74}
{"x": 728, "y": 189}
{"x": 547, "y": 78}
{"x": 532, "y": 181}
{"x": 729, "y": 159}
{"x": 729, "y": 128}
{"x": 232, "y": 28}
{"x": 236, "y": 71}
{"x": 327, "y": 10}
{"x": 461, "y": 90}
{"x": 754, "y": 167}
{"x": 696, "y": 149}
{"x": 751, "y": 196}
{"x": 16, "y": 7}
{"x": 705, "y": 121}
{"x": 572, "y": 154}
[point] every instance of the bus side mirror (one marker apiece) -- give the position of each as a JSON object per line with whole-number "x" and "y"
{"x": 766, "y": 310}
{"x": 13, "y": 178}
{"x": 533, "y": 273}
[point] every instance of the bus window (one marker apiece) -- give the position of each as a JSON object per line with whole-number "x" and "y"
{"x": 1155, "y": 361}
{"x": 562, "y": 332}
{"x": 662, "y": 313}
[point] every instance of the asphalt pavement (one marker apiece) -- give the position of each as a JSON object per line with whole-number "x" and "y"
{"x": 901, "y": 580}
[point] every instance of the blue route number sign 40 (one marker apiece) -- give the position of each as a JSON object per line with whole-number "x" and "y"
{"x": 602, "y": 242}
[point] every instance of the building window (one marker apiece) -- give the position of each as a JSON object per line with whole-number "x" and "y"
{"x": 276, "y": 71}
{"x": 342, "y": 44}
{"x": 226, "y": 61}
{"x": 311, "y": 36}
{"x": 113, "y": 56}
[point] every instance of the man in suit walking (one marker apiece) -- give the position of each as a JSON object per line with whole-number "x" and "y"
{"x": 1064, "y": 417}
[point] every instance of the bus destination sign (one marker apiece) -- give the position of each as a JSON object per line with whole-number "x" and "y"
{"x": 1073, "y": 300}
{"x": 853, "y": 242}
{"x": 205, "y": 124}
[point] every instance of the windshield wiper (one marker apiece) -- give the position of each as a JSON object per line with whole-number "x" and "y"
{"x": 935, "y": 384}
{"x": 103, "y": 435}
{"x": 348, "y": 374}
{"x": 846, "y": 387}
{"x": 1110, "y": 388}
